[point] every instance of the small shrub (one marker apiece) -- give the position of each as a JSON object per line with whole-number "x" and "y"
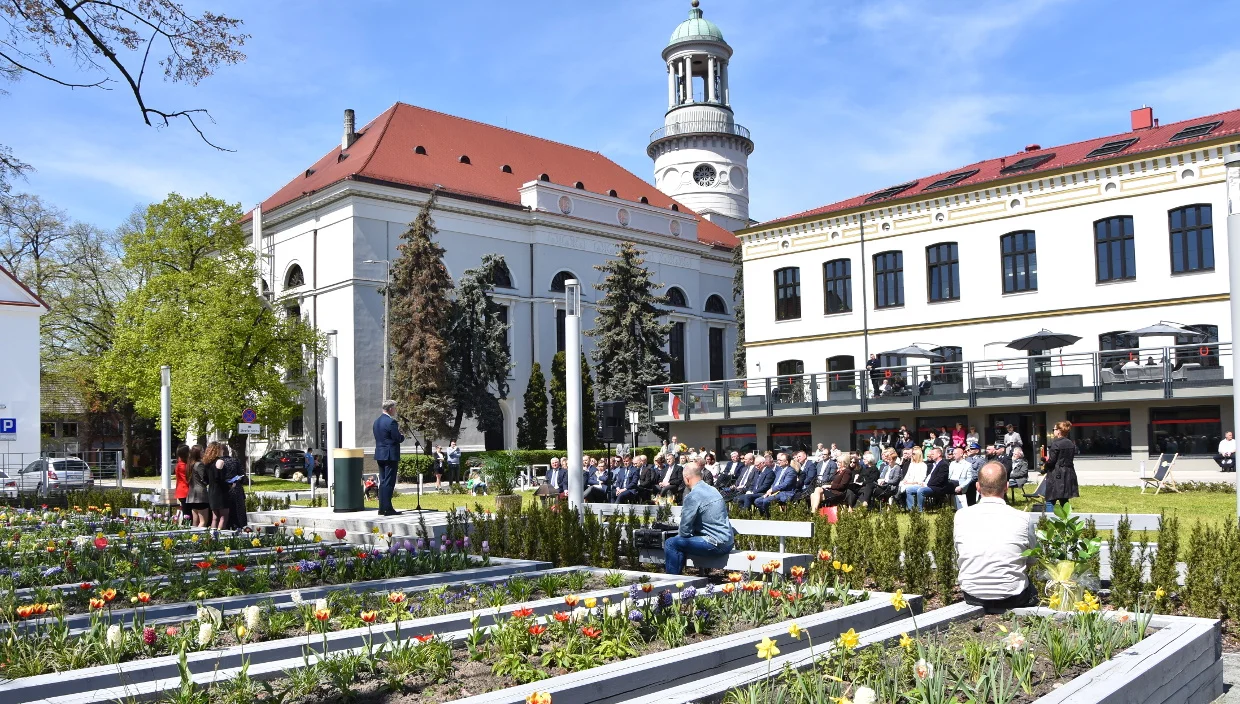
{"x": 917, "y": 554}
{"x": 1125, "y": 577}
{"x": 1163, "y": 572}
{"x": 945, "y": 552}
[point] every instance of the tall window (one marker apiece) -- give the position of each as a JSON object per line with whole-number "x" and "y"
{"x": 1020, "y": 261}
{"x": 502, "y": 315}
{"x": 715, "y": 304}
{"x": 676, "y": 298}
{"x": 837, "y": 285}
{"x": 1105, "y": 433}
{"x": 502, "y": 277}
{"x": 788, "y": 293}
{"x": 676, "y": 350}
{"x": 948, "y": 370}
{"x": 1193, "y": 430}
{"x": 943, "y": 271}
{"x": 839, "y": 371}
{"x": 560, "y": 313}
{"x": 1115, "y": 250}
{"x": 715, "y": 336}
{"x": 1116, "y": 341}
{"x": 888, "y": 279}
{"x": 1192, "y": 239}
{"x": 296, "y": 425}
{"x": 790, "y": 437}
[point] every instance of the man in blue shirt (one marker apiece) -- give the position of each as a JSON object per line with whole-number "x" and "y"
{"x": 784, "y": 487}
{"x": 704, "y": 526}
{"x": 761, "y": 484}
{"x": 387, "y": 454}
{"x": 310, "y": 464}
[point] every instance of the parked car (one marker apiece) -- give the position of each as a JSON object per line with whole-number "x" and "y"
{"x": 8, "y": 486}
{"x": 281, "y": 463}
{"x": 51, "y": 475}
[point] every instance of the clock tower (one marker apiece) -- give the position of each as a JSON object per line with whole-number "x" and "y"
{"x": 701, "y": 155}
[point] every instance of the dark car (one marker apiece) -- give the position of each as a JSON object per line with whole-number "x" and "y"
{"x": 281, "y": 463}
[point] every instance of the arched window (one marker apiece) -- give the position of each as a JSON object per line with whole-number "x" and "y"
{"x": 502, "y": 276}
{"x": 294, "y": 277}
{"x": 715, "y": 304}
{"x": 464, "y": 158}
{"x": 840, "y": 372}
{"x": 643, "y": 199}
{"x": 419, "y": 149}
{"x": 676, "y": 298}
{"x": 544, "y": 177}
{"x": 612, "y": 193}
{"x": 506, "y": 169}
{"x": 675, "y": 207}
{"x": 557, "y": 283}
{"x": 579, "y": 184}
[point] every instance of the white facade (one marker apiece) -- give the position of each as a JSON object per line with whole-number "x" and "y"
{"x": 701, "y": 156}
{"x": 20, "y": 311}
{"x": 331, "y": 233}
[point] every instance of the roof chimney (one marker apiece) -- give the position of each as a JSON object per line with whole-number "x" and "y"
{"x": 1032, "y": 147}
{"x": 1142, "y": 118}
{"x": 350, "y": 135}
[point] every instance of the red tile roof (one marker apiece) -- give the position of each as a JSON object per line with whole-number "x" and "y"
{"x": 384, "y": 152}
{"x": 1066, "y": 156}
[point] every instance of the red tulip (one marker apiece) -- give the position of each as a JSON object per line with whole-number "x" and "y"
{"x": 340, "y": 533}
{"x": 537, "y": 630}
{"x": 101, "y": 542}
{"x": 423, "y": 639}
{"x": 522, "y": 613}
{"x": 591, "y": 632}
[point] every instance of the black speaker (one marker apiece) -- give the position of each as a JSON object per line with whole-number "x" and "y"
{"x": 612, "y": 420}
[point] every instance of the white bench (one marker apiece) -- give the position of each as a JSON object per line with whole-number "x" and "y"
{"x": 737, "y": 560}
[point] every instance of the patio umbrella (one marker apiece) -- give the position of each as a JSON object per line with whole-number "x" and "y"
{"x": 1042, "y": 341}
{"x": 1163, "y": 329}
{"x": 914, "y": 351}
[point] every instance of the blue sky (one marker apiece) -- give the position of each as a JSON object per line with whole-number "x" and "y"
{"x": 841, "y": 97}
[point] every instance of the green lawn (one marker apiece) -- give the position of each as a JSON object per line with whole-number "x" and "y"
{"x": 261, "y": 483}
{"x": 1191, "y": 506}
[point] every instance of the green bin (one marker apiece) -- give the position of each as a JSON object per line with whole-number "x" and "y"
{"x": 347, "y": 491}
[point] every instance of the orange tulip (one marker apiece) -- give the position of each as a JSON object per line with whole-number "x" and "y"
{"x": 322, "y": 614}
{"x": 369, "y": 616}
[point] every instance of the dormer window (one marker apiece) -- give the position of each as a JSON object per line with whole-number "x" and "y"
{"x": 580, "y": 185}
{"x": 506, "y": 169}
{"x": 544, "y": 177}
{"x": 463, "y": 159}
{"x": 612, "y": 193}
{"x": 420, "y": 150}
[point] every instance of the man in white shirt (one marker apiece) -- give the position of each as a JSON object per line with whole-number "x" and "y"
{"x": 991, "y": 538}
{"x": 1226, "y": 457}
{"x": 960, "y": 477}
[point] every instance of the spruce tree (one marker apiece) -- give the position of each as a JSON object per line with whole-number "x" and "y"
{"x": 477, "y": 356}
{"x": 589, "y": 414}
{"x": 738, "y": 303}
{"x": 628, "y": 335}
{"x": 532, "y": 426}
{"x": 419, "y": 312}
{"x": 559, "y": 402}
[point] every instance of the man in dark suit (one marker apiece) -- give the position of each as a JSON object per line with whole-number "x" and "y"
{"x": 729, "y": 471}
{"x": 808, "y": 478}
{"x": 937, "y": 481}
{"x": 745, "y": 476}
{"x": 387, "y": 454}
{"x": 626, "y": 485}
{"x": 762, "y": 484}
{"x": 783, "y": 488}
{"x": 672, "y": 483}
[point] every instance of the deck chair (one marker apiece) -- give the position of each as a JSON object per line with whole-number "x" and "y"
{"x": 1039, "y": 492}
{"x": 1163, "y": 477}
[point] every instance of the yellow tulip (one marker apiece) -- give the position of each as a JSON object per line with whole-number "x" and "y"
{"x": 591, "y": 602}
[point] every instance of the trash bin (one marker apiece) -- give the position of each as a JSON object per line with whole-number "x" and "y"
{"x": 347, "y": 490}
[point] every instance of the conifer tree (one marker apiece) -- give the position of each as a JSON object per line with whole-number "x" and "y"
{"x": 589, "y": 414}
{"x": 738, "y": 303}
{"x": 477, "y": 356}
{"x": 532, "y": 426}
{"x": 420, "y": 311}
{"x": 628, "y": 335}
{"x": 559, "y": 402}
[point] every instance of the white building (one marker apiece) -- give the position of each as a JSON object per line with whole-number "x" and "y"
{"x": 20, "y": 310}
{"x": 1093, "y": 239}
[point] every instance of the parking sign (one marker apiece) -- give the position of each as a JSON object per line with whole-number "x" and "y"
{"x": 8, "y": 426}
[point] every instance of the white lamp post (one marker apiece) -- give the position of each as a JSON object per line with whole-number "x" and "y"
{"x": 165, "y": 433}
{"x": 635, "y": 419}
{"x": 1233, "y": 267}
{"x": 572, "y": 373}
{"x": 332, "y": 400}
{"x": 387, "y": 284}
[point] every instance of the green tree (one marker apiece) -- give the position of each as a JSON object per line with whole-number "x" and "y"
{"x": 477, "y": 356}
{"x": 420, "y": 311}
{"x": 589, "y": 414}
{"x": 738, "y": 304}
{"x": 532, "y": 425}
{"x": 198, "y": 311}
{"x": 628, "y": 334}
{"x": 559, "y": 401}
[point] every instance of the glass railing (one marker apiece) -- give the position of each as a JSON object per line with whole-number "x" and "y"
{"x": 1079, "y": 377}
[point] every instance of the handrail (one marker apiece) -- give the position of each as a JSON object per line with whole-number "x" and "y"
{"x": 699, "y": 127}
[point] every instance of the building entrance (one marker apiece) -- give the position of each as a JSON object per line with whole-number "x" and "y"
{"x": 1032, "y": 429}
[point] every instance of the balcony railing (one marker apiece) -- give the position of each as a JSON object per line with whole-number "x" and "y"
{"x": 1186, "y": 371}
{"x": 700, "y": 127}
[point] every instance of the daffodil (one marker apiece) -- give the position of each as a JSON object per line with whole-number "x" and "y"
{"x": 905, "y": 641}
{"x": 767, "y": 649}
{"x": 923, "y": 670}
{"x": 1160, "y": 593}
{"x": 1088, "y": 604}
{"x": 850, "y": 639}
{"x": 256, "y": 542}
{"x": 846, "y": 569}
{"x": 1054, "y": 601}
{"x": 898, "y": 600}
{"x": 298, "y": 531}
{"x": 795, "y": 631}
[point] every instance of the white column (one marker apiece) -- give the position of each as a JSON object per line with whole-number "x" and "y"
{"x": 727, "y": 98}
{"x": 572, "y": 382}
{"x": 1233, "y": 266}
{"x": 165, "y": 433}
{"x": 256, "y": 243}
{"x": 671, "y": 87}
{"x": 331, "y": 397}
{"x": 688, "y": 79}
{"x": 710, "y": 80}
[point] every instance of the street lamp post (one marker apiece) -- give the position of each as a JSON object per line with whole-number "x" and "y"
{"x": 387, "y": 284}
{"x": 1232, "y": 162}
{"x": 635, "y": 419}
{"x": 165, "y": 434}
{"x": 572, "y": 372}
{"x": 331, "y": 398}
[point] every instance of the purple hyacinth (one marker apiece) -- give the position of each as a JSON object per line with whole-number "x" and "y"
{"x": 465, "y": 541}
{"x": 701, "y": 613}
{"x": 688, "y": 594}
{"x": 635, "y": 591}
{"x": 421, "y": 544}
{"x": 665, "y": 598}
{"x": 635, "y": 616}
{"x": 710, "y": 589}
{"x": 486, "y": 546}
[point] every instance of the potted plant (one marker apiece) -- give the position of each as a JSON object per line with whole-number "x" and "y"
{"x": 502, "y": 469}
{"x": 1062, "y": 551}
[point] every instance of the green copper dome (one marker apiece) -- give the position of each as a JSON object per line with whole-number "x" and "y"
{"x": 696, "y": 28}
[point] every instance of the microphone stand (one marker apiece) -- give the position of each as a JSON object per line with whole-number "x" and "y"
{"x": 425, "y": 450}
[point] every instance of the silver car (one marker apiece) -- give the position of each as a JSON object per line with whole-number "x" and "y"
{"x": 52, "y": 475}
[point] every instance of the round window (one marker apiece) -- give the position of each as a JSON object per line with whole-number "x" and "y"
{"x": 704, "y": 175}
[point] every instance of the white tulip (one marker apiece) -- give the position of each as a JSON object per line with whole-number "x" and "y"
{"x": 320, "y": 604}
{"x": 864, "y": 695}
{"x": 296, "y": 597}
{"x": 206, "y": 632}
{"x": 253, "y": 617}
{"x": 114, "y": 636}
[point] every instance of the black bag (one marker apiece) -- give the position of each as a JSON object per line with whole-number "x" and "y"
{"x": 651, "y": 538}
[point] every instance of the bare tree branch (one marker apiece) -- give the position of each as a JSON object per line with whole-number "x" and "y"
{"x": 44, "y": 76}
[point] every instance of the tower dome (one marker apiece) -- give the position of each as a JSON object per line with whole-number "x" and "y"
{"x": 701, "y": 155}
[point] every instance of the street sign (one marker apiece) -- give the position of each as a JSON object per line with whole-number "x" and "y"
{"x": 249, "y": 429}
{"x": 248, "y": 416}
{"x": 8, "y": 426}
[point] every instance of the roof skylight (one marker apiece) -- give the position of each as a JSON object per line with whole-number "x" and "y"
{"x": 1201, "y": 130}
{"x": 1029, "y": 162}
{"x": 1112, "y": 148}
{"x": 889, "y": 192}
{"x": 951, "y": 180}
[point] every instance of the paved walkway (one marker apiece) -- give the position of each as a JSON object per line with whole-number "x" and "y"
{"x": 1231, "y": 677}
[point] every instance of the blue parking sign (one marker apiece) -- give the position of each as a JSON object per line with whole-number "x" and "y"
{"x": 8, "y": 426}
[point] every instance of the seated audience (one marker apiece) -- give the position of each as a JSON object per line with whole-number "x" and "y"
{"x": 704, "y": 526}
{"x": 762, "y": 483}
{"x": 835, "y": 492}
{"x": 787, "y": 479}
{"x": 914, "y": 479}
{"x": 990, "y": 539}
{"x": 1226, "y": 457}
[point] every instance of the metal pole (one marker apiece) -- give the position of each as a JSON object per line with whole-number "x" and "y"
{"x": 331, "y": 393}
{"x": 165, "y": 433}
{"x": 387, "y": 355}
{"x": 572, "y": 372}
{"x": 1233, "y": 267}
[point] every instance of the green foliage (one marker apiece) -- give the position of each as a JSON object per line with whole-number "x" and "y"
{"x": 1201, "y": 594}
{"x": 1125, "y": 575}
{"x": 738, "y": 304}
{"x": 199, "y": 311}
{"x": 1163, "y": 570}
{"x": 1062, "y": 538}
{"x": 419, "y": 313}
{"x": 502, "y": 469}
{"x": 589, "y": 414}
{"x": 412, "y": 465}
{"x": 885, "y": 555}
{"x": 629, "y": 338}
{"x": 532, "y": 426}
{"x": 945, "y": 552}
{"x": 477, "y": 355}
{"x": 559, "y": 401}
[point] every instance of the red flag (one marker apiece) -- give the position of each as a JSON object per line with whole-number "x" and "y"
{"x": 673, "y": 404}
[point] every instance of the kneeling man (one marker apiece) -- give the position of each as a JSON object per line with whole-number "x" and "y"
{"x": 990, "y": 539}
{"x": 704, "y": 526}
